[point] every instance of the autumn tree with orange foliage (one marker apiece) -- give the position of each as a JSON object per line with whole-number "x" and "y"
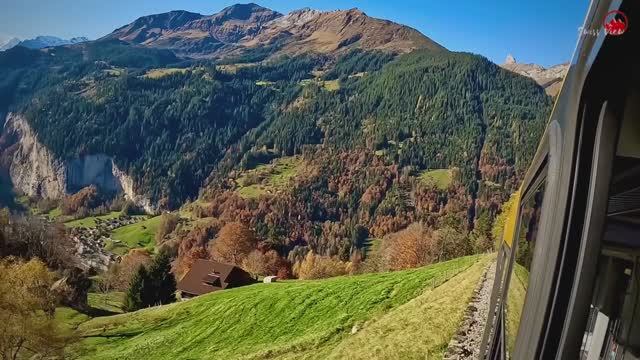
{"x": 194, "y": 245}
{"x": 118, "y": 276}
{"x": 86, "y": 198}
{"x": 409, "y": 248}
{"x": 418, "y": 245}
{"x": 268, "y": 263}
{"x": 319, "y": 267}
{"x": 184, "y": 262}
{"x": 234, "y": 242}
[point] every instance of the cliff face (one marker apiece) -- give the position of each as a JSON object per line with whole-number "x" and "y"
{"x": 32, "y": 168}
{"x": 35, "y": 171}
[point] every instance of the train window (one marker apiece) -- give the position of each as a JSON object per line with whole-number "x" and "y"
{"x": 613, "y": 328}
{"x": 521, "y": 264}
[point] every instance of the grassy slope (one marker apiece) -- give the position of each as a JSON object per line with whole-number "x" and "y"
{"x": 111, "y": 302}
{"x": 138, "y": 235}
{"x": 159, "y": 73}
{"x": 515, "y": 302}
{"x": 69, "y": 319}
{"x": 439, "y": 177}
{"x": 276, "y": 176}
{"x": 331, "y": 85}
{"x": 90, "y": 222}
{"x": 296, "y": 319}
{"x": 407, "y": 332}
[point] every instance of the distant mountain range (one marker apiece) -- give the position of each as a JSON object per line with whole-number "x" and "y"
{"x": 41, "y": 42}
{"x": 549, "y": 78}
{"x": 9, "y": 44}
{"x": 252, "y": 30}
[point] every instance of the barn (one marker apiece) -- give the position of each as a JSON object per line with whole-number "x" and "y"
{"x": 207, "y": 276}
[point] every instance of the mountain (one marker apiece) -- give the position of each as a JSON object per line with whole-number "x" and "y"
{"x": 319, "y": 149}
{"x": 248, "y": 28}
{"x": 41, "y": 42}
{"x": 550, "y": 79}
{"x": 9, "y": 44}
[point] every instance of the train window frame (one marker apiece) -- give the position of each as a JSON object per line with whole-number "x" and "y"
{"x": 591, "y": 229}
{"x": 545, "y": 168}
{"x": 540, "y": 182}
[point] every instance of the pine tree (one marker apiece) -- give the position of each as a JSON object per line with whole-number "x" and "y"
{"x": 137, "y": 293}
{"x": 162, "y": 280}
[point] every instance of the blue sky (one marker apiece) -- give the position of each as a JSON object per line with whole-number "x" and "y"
{"x": 543, "y": 31}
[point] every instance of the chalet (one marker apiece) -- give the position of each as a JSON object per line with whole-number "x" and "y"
{"x": 208, "y": 276}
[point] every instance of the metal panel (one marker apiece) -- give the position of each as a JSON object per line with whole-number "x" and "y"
{"x": 545, "y": 252}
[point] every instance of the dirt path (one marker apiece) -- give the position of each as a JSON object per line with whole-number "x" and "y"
{"x": 466, "y": 343}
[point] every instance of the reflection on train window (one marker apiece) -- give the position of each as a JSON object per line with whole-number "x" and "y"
{"x": 613, "y": 327}
{"x": 521, "y": 266}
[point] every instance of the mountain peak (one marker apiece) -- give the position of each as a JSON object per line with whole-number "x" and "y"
{"x": 242, "y": 28}
{"x": 550, "y": 79}
{"x": 243, "y": 11}
{"x": 9, "y": 44}
{"x": 44, "y": 41}
{"x": 355, "y": 11}
{"x": 510, "y": 59}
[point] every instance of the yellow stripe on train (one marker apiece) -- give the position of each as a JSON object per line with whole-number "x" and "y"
{"x": 511, "y": 221}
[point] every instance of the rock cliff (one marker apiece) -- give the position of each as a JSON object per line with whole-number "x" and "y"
{"x": 35, "y": 171}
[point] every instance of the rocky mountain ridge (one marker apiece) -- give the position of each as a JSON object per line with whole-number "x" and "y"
{"x": 243, "y": 28}
{"x": 9, "y": 44}
{"x": 41, "y": 42}
{"x": 549, "y": 78}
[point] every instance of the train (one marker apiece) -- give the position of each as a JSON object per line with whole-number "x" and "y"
{"x": 567, "y": 282}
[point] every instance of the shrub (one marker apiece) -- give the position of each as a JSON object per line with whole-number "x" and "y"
{"x": 168, "y": 223}
{"x": 318, "y": 267}
{"x": 119, "y": 275}
{"x": 87, "y": 198}
{"x": 259, "y": 263}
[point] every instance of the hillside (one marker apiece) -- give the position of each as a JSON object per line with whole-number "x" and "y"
{"x": 252, "y": 31}
{"x": 346, "y": 317}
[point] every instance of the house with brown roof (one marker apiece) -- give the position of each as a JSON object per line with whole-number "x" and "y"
{"x": 207, "y": 276}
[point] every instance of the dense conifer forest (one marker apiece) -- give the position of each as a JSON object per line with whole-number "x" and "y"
{"x": 370, "y": 127}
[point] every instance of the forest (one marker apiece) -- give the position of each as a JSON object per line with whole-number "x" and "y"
{"x": 420, "y": 110}
{"x": 371, "y": 129}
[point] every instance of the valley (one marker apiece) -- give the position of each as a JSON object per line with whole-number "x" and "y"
{"x": 355, "y": 165}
